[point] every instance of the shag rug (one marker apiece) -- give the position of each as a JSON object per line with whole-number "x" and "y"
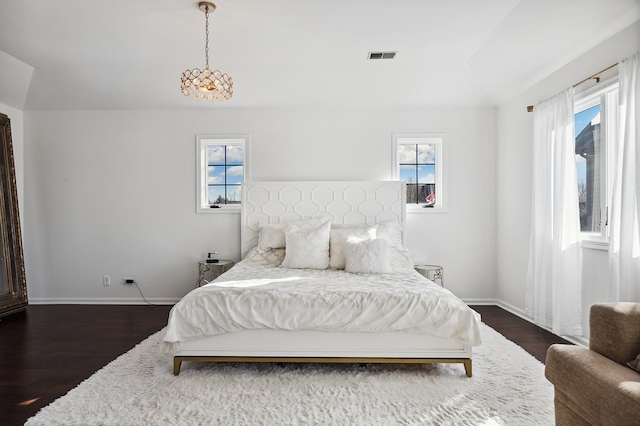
{"x": 138, "y": 388}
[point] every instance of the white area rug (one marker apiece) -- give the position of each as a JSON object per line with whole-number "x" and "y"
{"x": 507, "y": 388}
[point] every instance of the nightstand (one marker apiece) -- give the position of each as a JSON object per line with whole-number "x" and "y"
{"x": 433, "y": 272}
{"x": 208, "y": 272}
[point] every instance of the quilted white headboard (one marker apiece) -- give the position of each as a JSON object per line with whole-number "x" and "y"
{"x": 346, "y": 202}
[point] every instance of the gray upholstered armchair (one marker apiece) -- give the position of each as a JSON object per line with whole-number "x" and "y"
{"x": 595, "y": 386}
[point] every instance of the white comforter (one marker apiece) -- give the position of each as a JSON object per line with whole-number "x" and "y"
{"x": 252, "y": 296}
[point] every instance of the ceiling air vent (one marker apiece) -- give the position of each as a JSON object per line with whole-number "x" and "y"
{"x": 382, "y": 55}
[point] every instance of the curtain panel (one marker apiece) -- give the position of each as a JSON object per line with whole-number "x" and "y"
{"x": 554, "y": 283}
{"x": 624, "y": 234}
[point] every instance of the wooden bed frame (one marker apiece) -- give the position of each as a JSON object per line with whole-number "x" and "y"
{"x": 323, "y": 346}
{"x": 345, "y": 203}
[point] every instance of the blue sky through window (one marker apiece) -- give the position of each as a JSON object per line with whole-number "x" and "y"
{"x": 225, "y": 172}
{"x": 418, "y": 158}
{"x": 417, "y": 167}
{"x": 582, "y": 120}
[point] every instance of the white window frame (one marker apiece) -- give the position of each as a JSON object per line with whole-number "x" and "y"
{"x": 202, "y": 141}
{"x": 605, "y": 94}
{"x": 440, "y": 178}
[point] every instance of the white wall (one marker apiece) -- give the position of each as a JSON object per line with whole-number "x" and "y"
{"x": 514, "y": 170}
{"x": 113, "y": 192}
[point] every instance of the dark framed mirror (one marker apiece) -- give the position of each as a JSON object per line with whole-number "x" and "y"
{"x": 13, "y": 285}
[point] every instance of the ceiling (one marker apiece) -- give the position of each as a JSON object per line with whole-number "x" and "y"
{"x": 129, "y": 54}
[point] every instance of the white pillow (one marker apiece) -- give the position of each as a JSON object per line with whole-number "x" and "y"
{"x": 391, "y": 231}
{"x": 270, "y": 237}
{"x": 307, "y": 248}
{"x": 268, "y": 258}
{"x": 400, "y": 259}
{"x": 369, "y": 256}
{"x": 339, "y": 236}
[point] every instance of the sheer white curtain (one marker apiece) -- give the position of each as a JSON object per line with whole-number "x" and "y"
{"x": 554, "y": 284}
{"x": 624, "y": 236}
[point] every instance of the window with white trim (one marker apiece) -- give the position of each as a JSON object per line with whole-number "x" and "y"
{"x": 417, "y": 160}
{"x": 222, "y": 166}
{"x": 595, "y": 116}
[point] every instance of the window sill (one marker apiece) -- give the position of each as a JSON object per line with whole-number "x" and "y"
{"x": 412, "y": 208}
{"x": 594, "y": 245}
{"x": 221, "y": 210}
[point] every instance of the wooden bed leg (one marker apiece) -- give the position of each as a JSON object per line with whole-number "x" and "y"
{"x": 467, "y": 367}
{"x": 177, "y": 361}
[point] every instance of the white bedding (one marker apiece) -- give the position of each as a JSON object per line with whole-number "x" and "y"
{"x": 258, "y": 296}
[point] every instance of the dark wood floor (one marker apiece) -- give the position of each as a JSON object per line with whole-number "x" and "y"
{"x": 50, "y": 349}
{"x": 531, "y": 338}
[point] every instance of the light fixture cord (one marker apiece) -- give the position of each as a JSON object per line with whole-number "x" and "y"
{"x": 206, "y": 48}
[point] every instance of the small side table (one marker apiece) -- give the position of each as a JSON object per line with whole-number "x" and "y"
{"x": 208, "y": 272}
{"x": 434, "y": 273}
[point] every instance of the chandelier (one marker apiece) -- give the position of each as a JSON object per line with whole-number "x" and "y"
{"x": 205, "y": 84}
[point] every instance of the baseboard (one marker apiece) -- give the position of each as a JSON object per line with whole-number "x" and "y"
{"x": 101, "y": 301}
{"x": 514, "y": 310}
{"x": 479, "y": 301}
{"x": 576, "y": 340}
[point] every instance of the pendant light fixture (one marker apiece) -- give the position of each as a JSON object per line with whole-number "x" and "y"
{"x": 205, "y": 84}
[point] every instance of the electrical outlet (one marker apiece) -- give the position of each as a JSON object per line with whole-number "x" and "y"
{"x": 106, "y": 280}
{"x": 128, "y": 280}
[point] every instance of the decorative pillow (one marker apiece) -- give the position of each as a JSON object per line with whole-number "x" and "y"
{"x": 635, "y": 364}
{"x": 339, "y": 236}
{"x": 400, "y": 259}
{"x": 268, "y": 258}
{"x": 270, "y": 237}
{"x": 370, "y": 256}
{"x": 307, "y": 248}
{"x": 391, "y": 231}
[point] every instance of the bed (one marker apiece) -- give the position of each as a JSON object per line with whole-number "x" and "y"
{"x": 324, "y": 278}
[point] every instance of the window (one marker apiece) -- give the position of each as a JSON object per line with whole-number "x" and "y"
{"x": 222, "y": 165}
{"x": 417, "y": 160}
{"x": 595, "y": 130}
